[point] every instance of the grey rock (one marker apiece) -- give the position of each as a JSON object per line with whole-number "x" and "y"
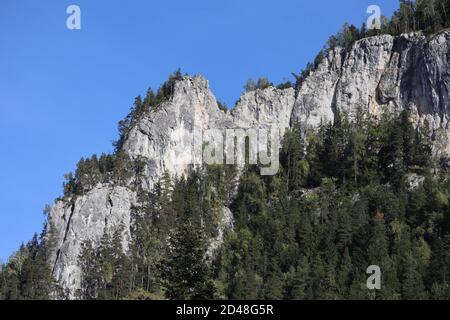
{"x": 164, "y": 138}
{"x": 383, "y": 72}
{"x": 409, "y": 71}
{"x": 413, "y": 181}
{"x": 168, "y": 136}
{"x": 314, "y": 103}
{"x": 87, "y": 218}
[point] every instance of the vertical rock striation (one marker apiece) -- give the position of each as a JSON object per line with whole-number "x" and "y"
{"x": 382, "y": 72}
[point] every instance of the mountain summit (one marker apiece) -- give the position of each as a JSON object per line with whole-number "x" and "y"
{"x": 407, "y": 72}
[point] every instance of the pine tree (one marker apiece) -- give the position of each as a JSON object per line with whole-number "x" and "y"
{"x": 35, "y": 278}
{"x": 437, "y": 276}
{"x": 185, "y": 271}
{"x": 90, "y": 278}
{"x": 412, "y": 284}
{"x": 273, "y": 285}
{"x": 296, "y": 169}
{"x": 344, "y": 274}
{"x": 393, "y": 153}
{"x": 301, "y": 282}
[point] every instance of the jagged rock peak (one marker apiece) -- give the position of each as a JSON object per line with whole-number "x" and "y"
{"x": 376, "y": 73}
{"x": 382, "y": 72}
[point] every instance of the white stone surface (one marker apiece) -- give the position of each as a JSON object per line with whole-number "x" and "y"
{"x": 378, "y": 72}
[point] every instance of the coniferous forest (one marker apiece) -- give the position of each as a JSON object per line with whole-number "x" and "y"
{"x": 344, "y": 199}
{"x": 357, "y": 192}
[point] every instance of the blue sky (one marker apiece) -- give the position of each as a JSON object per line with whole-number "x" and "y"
{"x": 62, "y": 92}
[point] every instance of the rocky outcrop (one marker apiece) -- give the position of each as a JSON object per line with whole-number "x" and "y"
{"x": 315, "y": 98}
{"x": 414, "y": 181}
{"x": 383, "y": 72}
{"x": 167, "y": 139}
{"x": 87, "y": 218}
{"x": 377, "y": 73}
{"x": 269, "y": 107}
{"x": 171, "y": 137}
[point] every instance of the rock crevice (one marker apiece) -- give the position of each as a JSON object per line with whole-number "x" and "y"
{"x": 376, "y": 73}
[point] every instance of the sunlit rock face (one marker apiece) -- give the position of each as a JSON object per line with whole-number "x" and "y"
{"x": 382, "y": 72}
{"x": 166, "y": 139}
{"x": 87, "y": 218}
{"x": 170, "y": 138}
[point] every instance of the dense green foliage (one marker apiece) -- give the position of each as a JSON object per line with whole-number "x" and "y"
{"x": 117, "y": 168}
{"x": 158, "y": 266}
{"x": 106, "y": 270}
{"x": 185, "y": 272}
{"x": 345, "y": 204}
{"x": 429, "y": 16}
{"x": 27, "y": 275}
{"x": 340, "y": 203}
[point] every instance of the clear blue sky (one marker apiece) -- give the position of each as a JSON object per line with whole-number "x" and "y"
{"x": 62, "y": 92}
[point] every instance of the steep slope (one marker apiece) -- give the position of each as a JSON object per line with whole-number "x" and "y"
{"x": 380, "y": 72}
{"x": 384, "y": 72}
{"x": 167, "y": 139}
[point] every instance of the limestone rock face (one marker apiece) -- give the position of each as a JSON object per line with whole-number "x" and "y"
{"x": 316, "y": 96}
{"x": 170, "y": 138}
{"x": 382, "y": 72}
{"x": 362, "y": 70}
{"x": 167, "y": 139}
{"x": 268, "y": 107}
{"x": 409, "y": 71}
{"x": 105, "y": 208}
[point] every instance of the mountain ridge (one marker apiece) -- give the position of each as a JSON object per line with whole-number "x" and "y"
{"x": 376, "y": 73}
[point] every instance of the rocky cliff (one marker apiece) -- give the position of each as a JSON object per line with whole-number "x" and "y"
{"x": 382, "y": 72}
